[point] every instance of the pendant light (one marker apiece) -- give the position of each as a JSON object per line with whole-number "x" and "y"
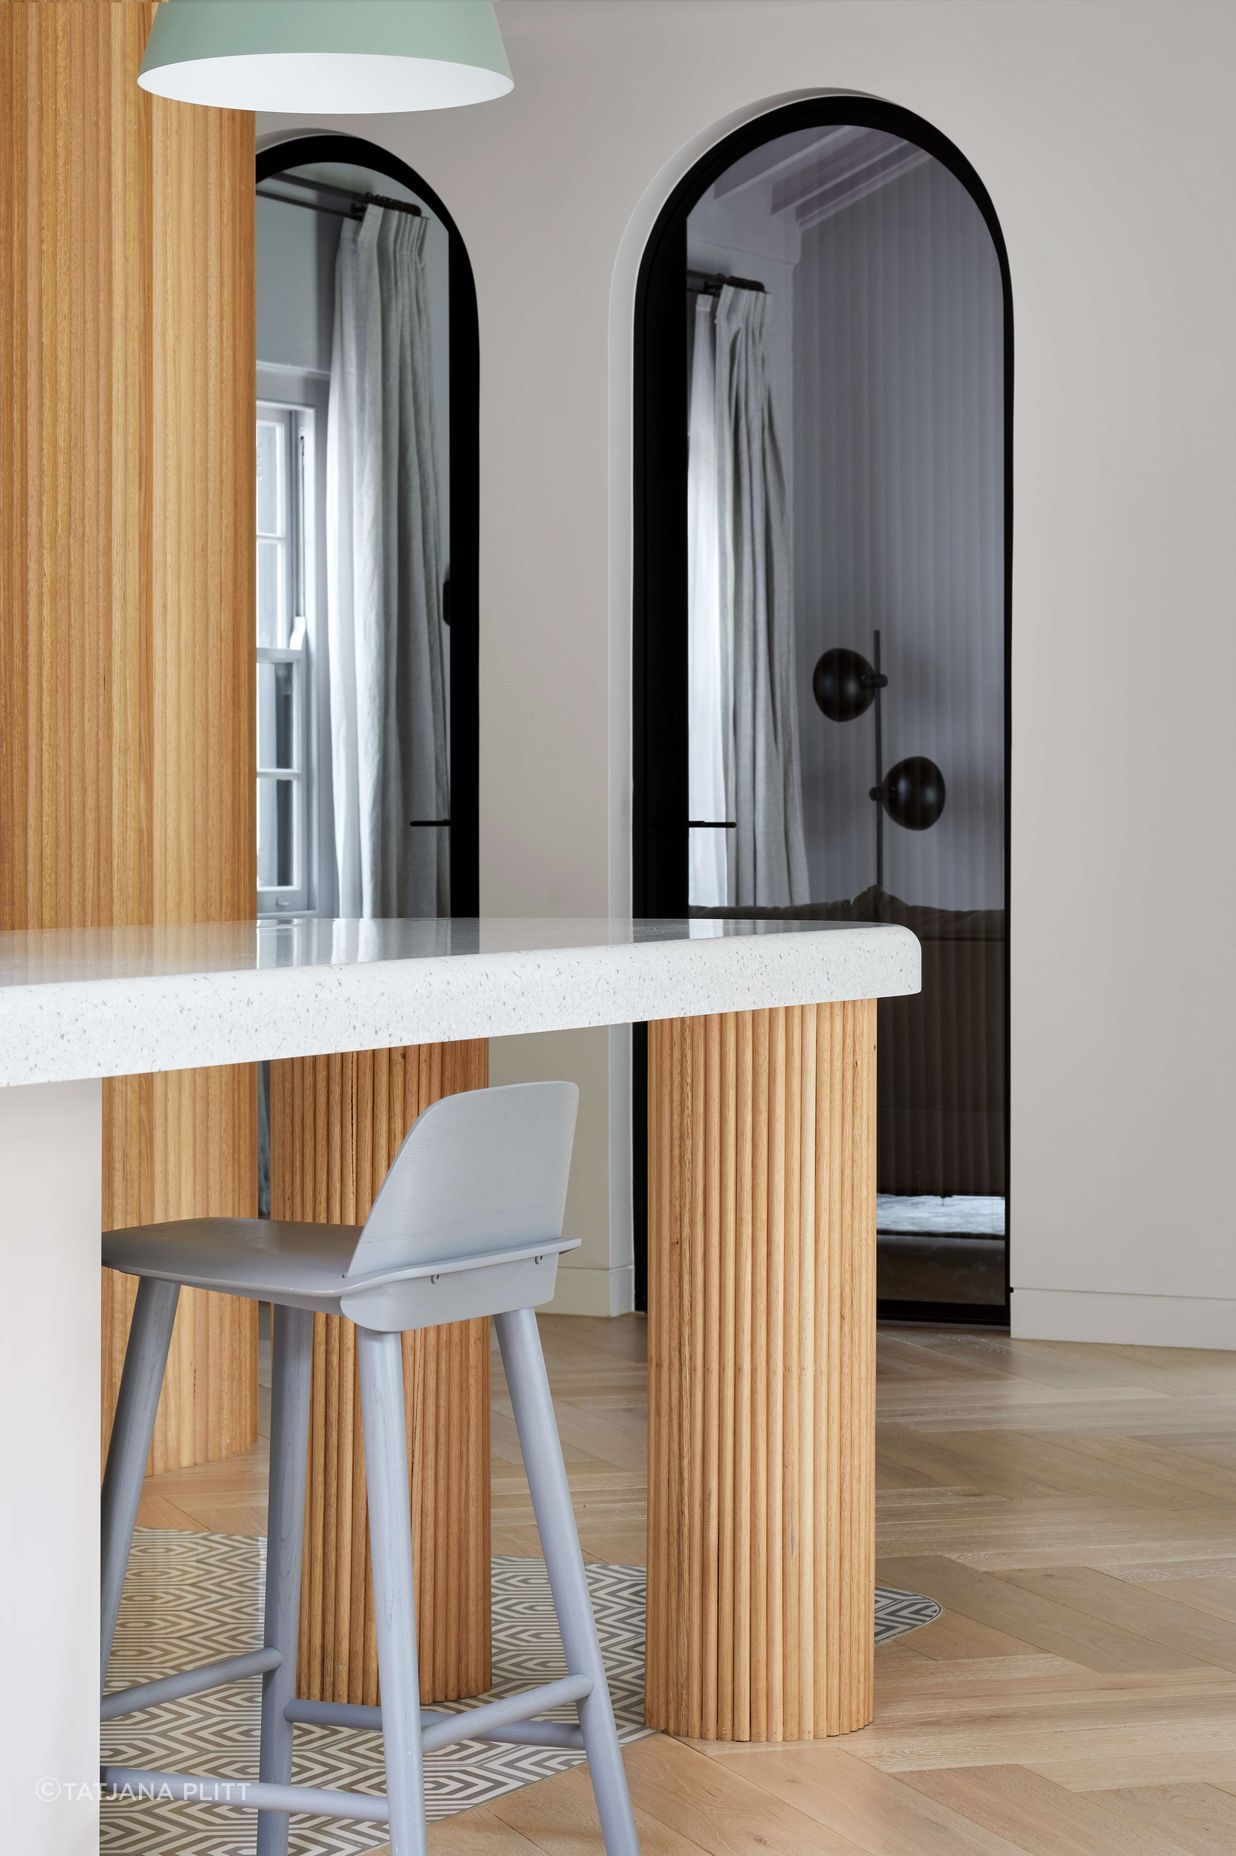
{"x": 326, "y": 57}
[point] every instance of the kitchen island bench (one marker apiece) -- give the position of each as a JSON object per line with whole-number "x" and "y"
{"x": 761, "y": 1216}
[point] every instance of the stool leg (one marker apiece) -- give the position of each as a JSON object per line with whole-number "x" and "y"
{"x": 291, "y": 1375}
{"x": 524, "y": 1365}
{"x": 383, "y": 1414}
{"x": 141, "y": 1382}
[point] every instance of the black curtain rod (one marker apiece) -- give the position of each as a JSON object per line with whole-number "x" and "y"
{"x": 355, "y": 210}
{"x": 711, "y": 283}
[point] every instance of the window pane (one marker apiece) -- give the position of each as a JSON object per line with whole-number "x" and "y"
{"x": 270, "y": 600}
{"x": 276, "y": 734}
{"x": 268, "y": 863}
{"x": 300, "y": 514}
{"x": 276, "y": 833}
{"x": 285, "y": 794}
{"x": 269, "y": 478}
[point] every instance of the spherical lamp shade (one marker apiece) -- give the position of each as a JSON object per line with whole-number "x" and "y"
{"x": 913, "y": 793}
{"x": 328, "y": 57}
{"x": 845, "y": 685}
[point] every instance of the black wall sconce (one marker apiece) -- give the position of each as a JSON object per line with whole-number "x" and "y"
{"x": 845, "y": 686}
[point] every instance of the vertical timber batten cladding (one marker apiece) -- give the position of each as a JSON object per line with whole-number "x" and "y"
{"x": 126, "y": 588}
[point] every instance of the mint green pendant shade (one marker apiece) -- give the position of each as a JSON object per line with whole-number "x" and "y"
{"x": 326, "y": 57}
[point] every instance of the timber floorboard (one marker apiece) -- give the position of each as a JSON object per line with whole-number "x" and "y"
{"x": 1073, "y": 1508}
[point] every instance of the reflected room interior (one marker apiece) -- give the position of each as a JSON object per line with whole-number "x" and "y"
{"x": 354, "y": 542}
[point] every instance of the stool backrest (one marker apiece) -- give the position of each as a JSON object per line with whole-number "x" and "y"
{"x": 481, "y": 1171}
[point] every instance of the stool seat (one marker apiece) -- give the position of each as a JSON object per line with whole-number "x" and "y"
{"x": 312, "y": 1266}
{"x": 264, "y": 1259}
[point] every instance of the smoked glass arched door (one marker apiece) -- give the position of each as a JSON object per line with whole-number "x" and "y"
{"x": 823, "y": 366}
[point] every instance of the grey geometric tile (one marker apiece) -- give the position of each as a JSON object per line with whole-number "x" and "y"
{"x": 897, "y": 1612}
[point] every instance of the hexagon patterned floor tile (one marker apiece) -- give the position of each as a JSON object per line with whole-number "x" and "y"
{"x": 190, "y": 1598}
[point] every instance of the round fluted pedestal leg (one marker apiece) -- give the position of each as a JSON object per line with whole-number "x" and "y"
{"x": 761, "y": 1289}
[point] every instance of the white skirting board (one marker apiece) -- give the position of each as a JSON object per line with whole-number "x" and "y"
{"x": 585, "y": 1291}
{"x": 1124, "y": 1320}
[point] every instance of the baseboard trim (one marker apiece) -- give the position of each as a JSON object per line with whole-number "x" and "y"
{"x": 1124, "y": 1320}
{"x": 585, "y": 1291}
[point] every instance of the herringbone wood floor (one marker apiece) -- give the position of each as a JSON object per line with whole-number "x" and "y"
{"x": 1073, "y": 1508}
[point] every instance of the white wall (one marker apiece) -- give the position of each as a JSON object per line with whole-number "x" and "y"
{"x": 1100, "y": 131}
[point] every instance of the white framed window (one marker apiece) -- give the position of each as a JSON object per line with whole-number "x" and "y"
{"x": 285, "y": 580}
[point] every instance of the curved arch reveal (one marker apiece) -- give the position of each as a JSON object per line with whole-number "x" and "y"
{"x": 823, "y": 396}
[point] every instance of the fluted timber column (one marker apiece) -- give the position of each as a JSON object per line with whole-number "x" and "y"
{"x": 336, "y": 1123}
{"x": 761, "y": 1498}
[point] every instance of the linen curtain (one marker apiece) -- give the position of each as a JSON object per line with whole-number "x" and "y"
{"x": 743, "y": 760}
{"x": 385, "y": 672}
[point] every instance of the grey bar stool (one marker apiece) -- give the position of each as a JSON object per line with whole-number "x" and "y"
{"x": 468, "y": 1223}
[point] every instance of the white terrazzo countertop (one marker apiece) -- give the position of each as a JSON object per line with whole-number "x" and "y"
{"x": 110, "y": 1002}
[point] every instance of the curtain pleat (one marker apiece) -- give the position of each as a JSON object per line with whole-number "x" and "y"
{"x": 743, "y": 743}
{"x": 384, "y": 623}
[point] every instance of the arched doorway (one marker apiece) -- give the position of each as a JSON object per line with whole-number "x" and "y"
{"x": 823, "y": 531}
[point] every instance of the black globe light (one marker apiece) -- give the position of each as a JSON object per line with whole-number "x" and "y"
{"x": 912, "y": 793}
{"x": 845, "y": 684}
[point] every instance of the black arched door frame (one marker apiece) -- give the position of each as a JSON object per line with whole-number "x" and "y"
{"x": 659, "y": 579}
{"x": 464, "y": 388}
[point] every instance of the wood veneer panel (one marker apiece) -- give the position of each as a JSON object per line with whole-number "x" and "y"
{"x": 126, "y": 587}
{"x": 761, "y": 1519}
{"x": 336, "y": 1123}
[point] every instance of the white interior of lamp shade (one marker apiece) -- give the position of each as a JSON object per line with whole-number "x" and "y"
{"x": 326, "y": 83}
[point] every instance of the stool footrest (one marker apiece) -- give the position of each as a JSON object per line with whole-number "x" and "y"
{"x": 493, "y": 1716}
{"x": 354, "y": 1714}
{"x": 562, "y": 1734}
{"x": 507, "y": 1720}
{"x": 255, "y": 1794}
{"x": 188, "y": 1682}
